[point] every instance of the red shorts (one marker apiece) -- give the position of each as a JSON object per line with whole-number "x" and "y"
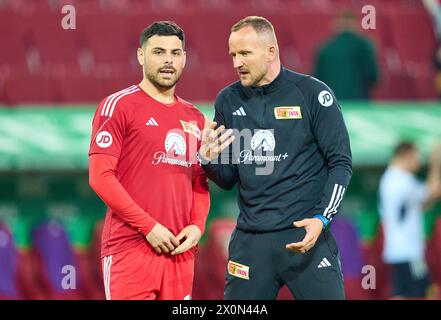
{"x": 139, "y": 273}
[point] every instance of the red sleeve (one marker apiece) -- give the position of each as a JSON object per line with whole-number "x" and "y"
{"x": 108, "y": 128}
{"x": 102, "y": 179}
{"x": 201, "y": 198}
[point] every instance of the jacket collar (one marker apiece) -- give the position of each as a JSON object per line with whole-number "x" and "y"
{"x": 267, "y": 88}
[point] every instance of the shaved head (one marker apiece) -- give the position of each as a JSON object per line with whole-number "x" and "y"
{"x": 263, "y": 28}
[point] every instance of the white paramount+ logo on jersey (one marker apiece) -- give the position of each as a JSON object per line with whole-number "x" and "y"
{"x": 175, "y": 151}
{"x": 262, "y": 145}
{"x": 175, "y": 144}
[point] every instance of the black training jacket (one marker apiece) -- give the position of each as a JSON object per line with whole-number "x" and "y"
{"x": 294, "y": 157}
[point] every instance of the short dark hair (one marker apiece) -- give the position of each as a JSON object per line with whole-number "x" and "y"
{"x": 162, "y": 28}
{"x": 404, "y": 147}
{"x": 259, "y": 24}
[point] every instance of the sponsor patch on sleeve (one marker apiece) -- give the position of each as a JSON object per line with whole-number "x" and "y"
{"x": 325, "y": 98}
{"x": 104, "y": 139}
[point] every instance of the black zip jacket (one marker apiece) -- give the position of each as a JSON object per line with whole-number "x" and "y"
{"x": 294, "y": 158}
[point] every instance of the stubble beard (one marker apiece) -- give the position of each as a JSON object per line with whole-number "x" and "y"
{"x": 155, "y": 79}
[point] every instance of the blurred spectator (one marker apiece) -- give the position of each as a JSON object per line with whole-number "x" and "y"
{"x": 347, "y": 61}
{"x": 402, "y": 201}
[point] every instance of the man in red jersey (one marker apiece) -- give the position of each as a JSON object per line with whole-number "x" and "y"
{"x": 143, "y": 165}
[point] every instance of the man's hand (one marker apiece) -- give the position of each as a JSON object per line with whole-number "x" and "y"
{"x": 213, "y": 143}
{"x": 313, "y": 229}
{"x": 161, "y": 239}
{"x": 192, "y": 234}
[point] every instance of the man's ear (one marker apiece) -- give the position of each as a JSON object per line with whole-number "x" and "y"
{"x": 140, "y": 56}
{"x": 272, "y": 52}
{"x": 185, "y": 59}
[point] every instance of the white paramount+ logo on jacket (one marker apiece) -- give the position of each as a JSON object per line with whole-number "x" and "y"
{"x": 263, "y": 145}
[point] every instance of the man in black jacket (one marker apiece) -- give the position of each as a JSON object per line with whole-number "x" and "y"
{"x": 292, "y": 162}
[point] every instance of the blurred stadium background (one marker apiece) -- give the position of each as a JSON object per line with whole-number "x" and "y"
{"x": 51, "y": 80}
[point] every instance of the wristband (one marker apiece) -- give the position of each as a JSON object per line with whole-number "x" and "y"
{"x": 323, "y": 219}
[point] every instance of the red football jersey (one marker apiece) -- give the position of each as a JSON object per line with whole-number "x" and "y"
{"x": 156, "y": 145}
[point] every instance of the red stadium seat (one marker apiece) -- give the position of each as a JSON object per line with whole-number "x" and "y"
{"x": 29, "y": 5}
{"x": 211, "y": 261}
{"x": 80, "y": 88}
{"x": 396, "y": 87}
{"x": 91, "y": 285}
{"x": 95, "y": 261}
{"x": 193, "y": 87}
{"x": 29, "y": 281}
{"x": 13, "y": 39}
{"x": 207, "y": 82}
{"x": 407, "y": 26}
{"x": 373, "y": 256}
{"x": 309, "y": 29}
{"x": 425, "y": 84}
{"x": 211, "y": 46}
{"x": 120, "y": 80}
{"x": 56, "y": 46}
{"x": 106, "y": 36}
{"x": 413, "y": 35}
{"x": 29, "y": 88}
{"x": 15, "y": 56}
